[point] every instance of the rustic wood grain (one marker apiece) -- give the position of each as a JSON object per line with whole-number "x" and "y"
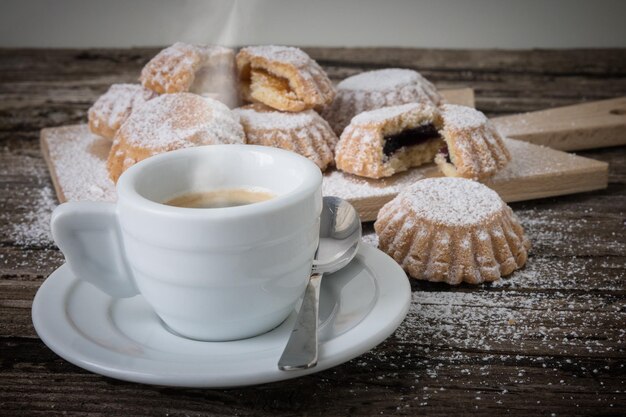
{"x": 597, "y": 124}
{"x": 548, "y": 340}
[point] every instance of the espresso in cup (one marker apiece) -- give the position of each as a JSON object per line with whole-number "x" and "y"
{"x": 209, "y": 274}
{"x": 229, "y": 197}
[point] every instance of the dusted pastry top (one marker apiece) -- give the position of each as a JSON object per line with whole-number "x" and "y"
{"x": 474, "y": 147}
{"x": 385, "y": 79}
{"x": 458, "y": 117}
{"x": 285, "y": 54}
{"x": 182, "y": 119}
{"x": 372, "y": 90}
{"x": 451, "y": 201}
{"x": 305, "y": 133}
{"x": 452, "y": 230}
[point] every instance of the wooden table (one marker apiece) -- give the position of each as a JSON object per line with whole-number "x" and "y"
{"x": 550, "y": 340}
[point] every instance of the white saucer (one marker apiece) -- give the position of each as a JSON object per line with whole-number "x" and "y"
{"x": 361, "y": 306}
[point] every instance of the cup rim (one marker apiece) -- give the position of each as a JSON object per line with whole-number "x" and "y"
{"x": 127, "y": 184}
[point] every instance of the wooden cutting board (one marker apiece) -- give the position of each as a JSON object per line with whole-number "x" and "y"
{"x": 77, "y": 162}
{"x": 534, "y": 172}
{"x": 595, "y": 124}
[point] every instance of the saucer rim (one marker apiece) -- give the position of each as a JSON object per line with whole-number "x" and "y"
{"x": 389, "y": 310}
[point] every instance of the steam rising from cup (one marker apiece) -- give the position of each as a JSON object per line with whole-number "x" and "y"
{"x": 217, "y": 77}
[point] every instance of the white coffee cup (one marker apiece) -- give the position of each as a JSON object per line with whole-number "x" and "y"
{"x": 210, "y": 274}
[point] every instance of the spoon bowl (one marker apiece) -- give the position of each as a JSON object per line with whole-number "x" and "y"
{"x": 340, "y": 234}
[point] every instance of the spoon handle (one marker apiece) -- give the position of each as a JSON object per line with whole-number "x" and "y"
{"x": 301, "y": 349}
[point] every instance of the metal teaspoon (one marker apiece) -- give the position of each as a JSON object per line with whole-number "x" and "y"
{"x": 340, "y": 234}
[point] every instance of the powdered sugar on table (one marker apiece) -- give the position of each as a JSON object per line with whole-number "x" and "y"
{"x": 78, "y": 159}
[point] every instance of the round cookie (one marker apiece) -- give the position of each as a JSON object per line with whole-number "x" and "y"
{"x": 169, "y": 122}
{"x": 305, "y": 133}
{"x": 452, "y": 230}
{"x": 372, "y": 90}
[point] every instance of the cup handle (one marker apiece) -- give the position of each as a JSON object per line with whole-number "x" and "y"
{"x": 89, "y": 236}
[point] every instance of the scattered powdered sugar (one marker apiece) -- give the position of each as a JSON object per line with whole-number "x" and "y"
{"x": 492, "y": 320}
{"x": 369, "y": 236}
{"x": 352, "y": 187}
{"x": 451, "y": 201}
{"x": 79, "y": 160}
{"x": 33, "y": 227}
{"x": 173, "y": 121}
{"x": 27, "y": 223}
{"x": 385, "y": 79}
{"x": 457, "y": 117}
{"x": 535, "y": 160}
{"x": 551, "y": 322}
{"x": 288, "y": 54}
{"x": 273, "y": 119}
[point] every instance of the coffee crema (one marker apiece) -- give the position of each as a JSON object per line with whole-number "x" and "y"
{"x": 227, "y": 197}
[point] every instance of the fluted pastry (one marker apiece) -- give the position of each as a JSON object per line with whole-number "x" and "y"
{"x": 207, "y": 70}
{"x": 372, "y": 90}
{"x": 452, "y": 230}
{"x": 113, "y": 108}
{"x": 379, "y": 143}
{"x": 284, "y": 78}
{"x": 169, "y": 122}
{"x": 305, "y": 132}
{"x": 474, "y": 147}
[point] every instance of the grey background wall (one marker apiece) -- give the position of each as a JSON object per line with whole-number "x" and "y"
{"x": 406, "y": 23}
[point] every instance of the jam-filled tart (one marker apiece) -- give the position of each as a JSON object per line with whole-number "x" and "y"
{"x": 382, "y": 142}
{"x": 282, "y": 77}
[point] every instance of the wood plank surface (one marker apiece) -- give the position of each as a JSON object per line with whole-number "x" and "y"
{"x": 548, "y": 340}
{"x": 597, "y": 124}
{"x": 535, "y": 172}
